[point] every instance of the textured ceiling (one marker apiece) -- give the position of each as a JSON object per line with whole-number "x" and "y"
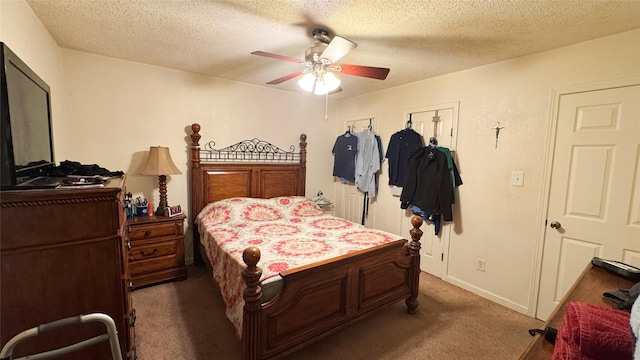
{"x": 415, "y": 39}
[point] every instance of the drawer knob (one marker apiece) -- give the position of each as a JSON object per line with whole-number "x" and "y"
{"x": 143, "y": 253}
{"x": 147, "y": 233}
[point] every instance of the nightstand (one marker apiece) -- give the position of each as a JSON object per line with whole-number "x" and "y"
{"x": 156, "y": 249}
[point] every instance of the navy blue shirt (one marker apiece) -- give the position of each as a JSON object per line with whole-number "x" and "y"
{"x": 344, "y": 162}
{"x": 401, "y": 145}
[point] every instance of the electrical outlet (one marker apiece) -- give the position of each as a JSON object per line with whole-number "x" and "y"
{"x": 481, "y": 264}
{"x": 517, "y": 178}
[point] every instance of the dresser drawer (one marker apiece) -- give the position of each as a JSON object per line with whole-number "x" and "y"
{"x": 139, "y": 232}
{"x": 152, "y": 250}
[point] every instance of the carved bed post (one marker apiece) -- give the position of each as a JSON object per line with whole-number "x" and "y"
{"x": 303, "y": 162}
{"x": 195, "y": 146}
{"x": 303, "y": 149}
{"x": 414, "y": 253}
{"x": 196, "y": 192}
{"x": 252, "y": 295}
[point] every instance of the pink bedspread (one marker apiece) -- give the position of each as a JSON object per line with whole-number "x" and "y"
{"x": 289, "y": 231}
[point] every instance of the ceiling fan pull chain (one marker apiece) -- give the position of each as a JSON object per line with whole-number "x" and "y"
{"x": 326, "y": 106}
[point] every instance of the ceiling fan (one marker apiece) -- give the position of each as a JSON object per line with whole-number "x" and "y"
{"x": 320, "y": 60}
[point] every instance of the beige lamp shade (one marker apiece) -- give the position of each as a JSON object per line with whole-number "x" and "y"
{"x": 159, "y": 162}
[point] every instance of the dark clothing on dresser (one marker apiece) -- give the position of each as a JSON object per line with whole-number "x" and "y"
{"x": 67, "y": 168}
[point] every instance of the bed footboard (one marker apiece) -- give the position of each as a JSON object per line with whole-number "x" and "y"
{"x": 320, "y": 299}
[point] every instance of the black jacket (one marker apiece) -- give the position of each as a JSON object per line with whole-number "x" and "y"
{"x": 428, "y": 183}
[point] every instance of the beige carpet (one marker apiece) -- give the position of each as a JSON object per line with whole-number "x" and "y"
{"x": 185, "y": 320}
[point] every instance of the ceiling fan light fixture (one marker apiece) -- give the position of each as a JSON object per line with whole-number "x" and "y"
{"x": 307, "y": 82}
{"x": 319, "y": 83}
{"x": 321, "y": 88}
{"x": 331, "y": 81}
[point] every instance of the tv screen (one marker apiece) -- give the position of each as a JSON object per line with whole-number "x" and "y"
{"x": 27, "y": 147}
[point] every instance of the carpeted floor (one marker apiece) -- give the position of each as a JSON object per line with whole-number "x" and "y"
{"x": 186, "y": 320}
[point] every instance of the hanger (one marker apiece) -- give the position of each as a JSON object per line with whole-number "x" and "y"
{"x": 324, "y": 203}
{"x": 370, "y": 125}
{"x": 409, "y": 122}
{"x": 348, "y": 132}
{"x": 433, "y": 142}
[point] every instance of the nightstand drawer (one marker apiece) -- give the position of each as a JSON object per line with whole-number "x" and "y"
{"x": 152, "y": 250}
{"x": 155, "y": 230}
{"x": 152, "y": 265}
{"x": 155, "y": 249}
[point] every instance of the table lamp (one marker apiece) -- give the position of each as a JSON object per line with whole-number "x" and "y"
{"x": 159, "y": 163}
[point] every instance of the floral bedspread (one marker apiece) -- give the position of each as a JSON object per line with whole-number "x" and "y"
{"x": 289, "y": 231}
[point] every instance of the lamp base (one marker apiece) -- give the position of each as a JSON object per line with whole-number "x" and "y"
{"x": 162, "y": 211}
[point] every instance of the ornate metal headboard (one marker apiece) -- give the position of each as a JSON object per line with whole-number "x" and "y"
{"x": 254, "y": 150}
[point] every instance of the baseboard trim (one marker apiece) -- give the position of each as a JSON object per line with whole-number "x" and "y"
{"x": 523, "y": 309}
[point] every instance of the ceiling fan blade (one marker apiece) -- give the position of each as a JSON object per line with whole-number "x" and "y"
{"x": 364, "y": 71}
{"x": 337, "y": 48}
{"x": 285, "y": 78}
{"x": 276, "y": 56}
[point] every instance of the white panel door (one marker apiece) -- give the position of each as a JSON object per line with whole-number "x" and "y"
{"x": 594, "y": 195}
{"x": 439, "y": 121}
{"x": 434, "y": 248}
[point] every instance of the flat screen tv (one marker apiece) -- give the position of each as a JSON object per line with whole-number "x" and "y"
{"x": 26, "y": 149}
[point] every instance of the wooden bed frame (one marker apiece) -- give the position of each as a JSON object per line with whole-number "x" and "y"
{"x": 315, "y": 300}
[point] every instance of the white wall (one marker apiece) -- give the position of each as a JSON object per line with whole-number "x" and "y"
{"x": 492, "y": 219}
{"x": 116, "y": 109}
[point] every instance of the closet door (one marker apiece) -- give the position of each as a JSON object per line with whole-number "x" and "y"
{"x": 438, "y": 121}
{"x": 441, "y": 122}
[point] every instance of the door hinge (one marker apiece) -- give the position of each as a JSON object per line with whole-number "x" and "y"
{"x": 442, "y": 257}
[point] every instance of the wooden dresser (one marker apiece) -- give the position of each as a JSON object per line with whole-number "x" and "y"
{"x": 588, "y": 288}
{"x": 62, "y": 255}
{"x": 156, "y": 249}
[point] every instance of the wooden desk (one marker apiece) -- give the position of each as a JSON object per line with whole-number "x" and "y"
{"x": 589, "y": 287}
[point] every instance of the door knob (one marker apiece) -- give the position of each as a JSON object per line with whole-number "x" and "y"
{"x": 555, "y": 225}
